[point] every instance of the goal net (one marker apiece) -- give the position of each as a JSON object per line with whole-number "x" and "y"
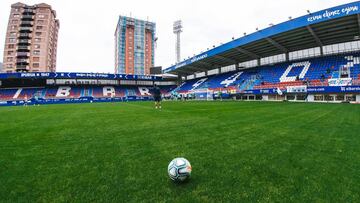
{"x": 203, "y": 94}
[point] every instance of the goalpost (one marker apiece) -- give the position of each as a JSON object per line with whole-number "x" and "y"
{"x": 203, "y": 94}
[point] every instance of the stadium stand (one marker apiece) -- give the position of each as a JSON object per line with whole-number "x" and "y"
{"x": 314, "y": 57}
{"x": 294, "y": 77}
{"x": 78, "y": 92}
{"x": 311, "y": 72}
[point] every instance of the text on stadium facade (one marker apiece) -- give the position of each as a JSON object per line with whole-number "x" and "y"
{"x": 194, "y": 59}
{"x": 56, "y": 75}
{"x": 331, "y": 14}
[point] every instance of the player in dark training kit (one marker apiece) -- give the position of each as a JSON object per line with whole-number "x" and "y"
{"x": 157, "y": 97}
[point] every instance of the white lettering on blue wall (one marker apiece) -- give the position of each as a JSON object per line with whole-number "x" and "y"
{"x": 333, "y": 13}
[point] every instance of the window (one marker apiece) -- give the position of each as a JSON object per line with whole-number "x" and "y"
{"x": 39, "y": 27}
{"x": 329, "y": 97}
{"x": 40, "y": 21}
{"x": 37, "y": 46}
{"x": 14, "y": 21}
{"x": 16, "y": 15}
{"x": 36, "y": 65}
{"x": 14, "y": 27}
{"x": 36, "y": 59}
{"x": 36, "y": 52}
{"x": 273, "y": 59}
{"x": 228, "y": 68}
{"x": 213, "y": 71}
{"x": 9, "y": 59}
{"x": 340, "y": 98}
{"x": 38, "y": 33}
{"x": 305, "y": 53}
{"x": 37, "y": 39}
{"x": 13, "y": 34}
{"x": 11, "y": 46}
{"x": 41, "y": 16}
{"x": 10, "y": 53}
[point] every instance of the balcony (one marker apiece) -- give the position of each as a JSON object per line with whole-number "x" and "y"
{"x": 26, "y": 29}
{"x": 26, "y": 23}
{"x": 149, "y": 26}
{"x": 27, "y": 17}
{"x": 22, "y": 54}
{"x": 23, "y": 48}
{"x": 24, "y": 41}
{"x": 22, "y": 68}
{"x": 23, "y": 61}
{"x": 130, "y": 21}
{"x": 28, "y": 11}
{"x": 24, "y": 36}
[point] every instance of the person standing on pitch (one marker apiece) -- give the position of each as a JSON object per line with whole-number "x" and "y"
{"x": 26, "y": 100}
{"x": 157, "y": 97}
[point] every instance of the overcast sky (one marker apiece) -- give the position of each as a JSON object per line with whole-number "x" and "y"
{"x": 86, "y": 35}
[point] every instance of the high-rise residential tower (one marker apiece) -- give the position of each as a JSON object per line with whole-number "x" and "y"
{"x": 134, "y": 46}
{"x": 31, "y": 39}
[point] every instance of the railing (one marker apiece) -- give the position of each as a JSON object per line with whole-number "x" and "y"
{"x": 24, "y": 35}
{"x": 28, "y": 17}
{"x": 22, "y": 67}
{"x": 26, "y": 29}
{"x": 314, "y": 83}
{"x": 24, "y": 41}
{"x": 28, "y": 10}
{"x": 24, "y": 47}
{"x": 26, "y": 22}
{"x": 22, "y": 61}
{"x": 23, "y": 54}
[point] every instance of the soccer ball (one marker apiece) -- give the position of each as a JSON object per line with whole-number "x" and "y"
{"x": 179, "y": 169}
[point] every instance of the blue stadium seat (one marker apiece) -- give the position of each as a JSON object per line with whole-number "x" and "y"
{"x": 271, "y": 76}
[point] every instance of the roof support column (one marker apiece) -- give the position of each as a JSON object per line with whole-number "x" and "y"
{"x": 179, "y": 79}
{"x": 321, "y": 51}
{"x": 287, "y": 56}
{"x": 237, "y": 66}
{"x": 258, "y": 62}
{"x": 316, "y": 38}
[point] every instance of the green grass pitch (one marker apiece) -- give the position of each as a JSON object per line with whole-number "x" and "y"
{"x": 239, "y": 151}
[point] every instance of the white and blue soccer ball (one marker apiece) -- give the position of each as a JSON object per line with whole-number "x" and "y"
{"x": 179, "y": 169}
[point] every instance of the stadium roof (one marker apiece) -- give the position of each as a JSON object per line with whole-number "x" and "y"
{"x": 330, "y": 26}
